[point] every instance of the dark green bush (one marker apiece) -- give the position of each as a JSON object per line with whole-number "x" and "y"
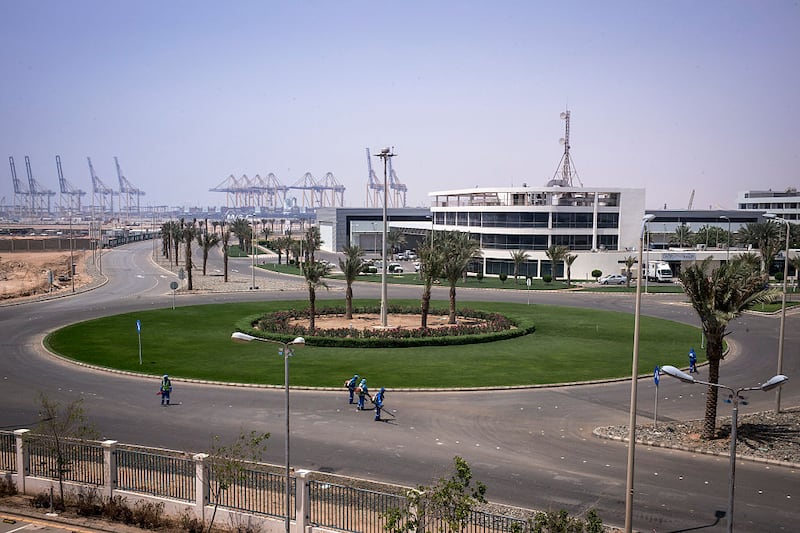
{"x": 503, "y": 277}
{"x": 596, "y": 273}
{"x": 547, "y": 278}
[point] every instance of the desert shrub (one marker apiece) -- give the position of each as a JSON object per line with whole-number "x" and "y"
{"x": 149, "y": 515}
{"x": 7, "y": 486}
{"x": 190, "y": 523}
{"x": 116, "y": 509}
{"x": 43, "y": 500}
{"x": 89, "y": 503}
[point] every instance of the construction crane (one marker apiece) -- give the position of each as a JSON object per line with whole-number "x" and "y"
{"x": 72, "y": 194}
{"x": 21, "y": 194}
{"x": 374, "y": 186}
{"x": 102, "y": 195}
{"x": 38, "y": 194}
{"x": 566, "y": 169}
{"x": 691, "y": 200}
{"x": 127, "y": 191}
{"x": 399, "y": 190}
{"x": 331, "y": 191}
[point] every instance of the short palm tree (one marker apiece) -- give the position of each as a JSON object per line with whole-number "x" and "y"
{"x": 458, "y": 249}
{"x": 311, "y": 243}
{"x": 683, "y": 236}
{"x": 518, "y": 257}
{"x": 766, "y": 237}
{"x": 430, "y": 269}
{"x": 395, "y": 238}
{"x": 556, "y": 253}
{"x": 351, "y": 266}
{"x": 241, "y": 228}
{"x": 314, "y": 274}
{"x": 718, "y": 297}
{"x": 188, "y": 234}
{"x": 629, "y": 262}
{"x": 206, "y": 241}
{"x": 568, "y": 260}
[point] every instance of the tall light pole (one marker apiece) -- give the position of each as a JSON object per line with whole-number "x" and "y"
{"x": 774, "y": 382}
{"x": 286, "y": 351}
{"x": 727, "y": 248}
{"x": 634, "y": 374}
{"x": 775, "y": 218}
{"x": 385, "y": 154}
{"x": 253, "y": 253}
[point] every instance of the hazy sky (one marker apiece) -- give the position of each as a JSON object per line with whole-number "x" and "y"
{"x": 670, "y": 96}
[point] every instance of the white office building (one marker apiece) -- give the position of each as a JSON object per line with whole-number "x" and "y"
{"x": 785, "y": 204}
{"x": 601, "y": 225}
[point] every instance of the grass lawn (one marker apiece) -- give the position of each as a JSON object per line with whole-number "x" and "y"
{"x": 569, "y": 345}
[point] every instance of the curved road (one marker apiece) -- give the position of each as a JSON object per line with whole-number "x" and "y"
{"x": 534, "y": 448}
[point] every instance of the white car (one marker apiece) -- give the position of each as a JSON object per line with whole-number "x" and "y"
{"x": 613, "y": 279}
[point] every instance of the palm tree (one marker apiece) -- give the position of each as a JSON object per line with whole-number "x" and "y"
{"x": 188, "y": 234}
{"x": 314, "y": 274}
{"x": 555, "y": 254}
{"x": 311, "y": 243}
{"x": 683, "y": 235}
{"x": 458, "y": 250}
{"x": 351, "y": 265}
{"x": 207, "y": 241}
{"x": 568, "y": 260}
{"x": 718, "y": 297}
{"x": 176, "y": 237}
{"x": 518, "y": 257}
{"x": 766, "y": 237}
{"x": 241, "y": 228}
{"x": 629, "y": 262}
{"x": 226, "y": 238}
{"x": 795, "y": 262}
{"x": 430, "y": 269}
{"x": 280, "y": 244}
{"x": 395, "y": 238}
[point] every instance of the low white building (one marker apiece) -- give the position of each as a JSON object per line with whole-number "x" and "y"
{"x": 601, "y": 226}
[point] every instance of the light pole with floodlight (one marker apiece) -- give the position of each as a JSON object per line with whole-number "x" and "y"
{"x": 286, "y": 352}
{"x": 385, "y": 154}
{"x": 775, "y": 218}
{"x": 634, "y": 374}
{"x": 774, "y": 382}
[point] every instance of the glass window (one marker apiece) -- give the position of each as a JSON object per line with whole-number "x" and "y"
{"x": 608, "y": 220}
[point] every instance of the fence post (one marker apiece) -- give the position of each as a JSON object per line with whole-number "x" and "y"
{"x": 201, "y": 480}
{"x": 301, "y": 496}
{"x": 109, "y": 467}
{"x": 23, "y": 459}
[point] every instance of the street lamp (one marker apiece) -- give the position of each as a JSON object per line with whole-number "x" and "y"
{"x": 385, "y": 154}
{"x": 775, "y": 218}
{"x": 286, "y": 351}
{"x": 774, "y": 382}
{"x": 253, "y": 252}
{"x": 634, "y": 373}
{"x": 728, "y": 248}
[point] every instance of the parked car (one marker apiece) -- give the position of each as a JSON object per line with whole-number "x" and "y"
{"x": 395, "y": 268}
{"x": 613, "y": 279}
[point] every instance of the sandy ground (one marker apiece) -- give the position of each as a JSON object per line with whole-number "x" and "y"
{"x": 25, "y": 274}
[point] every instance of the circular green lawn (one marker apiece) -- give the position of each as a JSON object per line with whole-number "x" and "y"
{"x": 569, "y": 344}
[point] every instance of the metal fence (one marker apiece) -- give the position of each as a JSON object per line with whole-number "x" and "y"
{"x": 483, "y": 522}
{"x": 254, "y": 491}
{"x": 159, "y": 474}
{"x": 350, "y": 508}
{"x": 81, "y": 462}
{"x": 8, "y": 451}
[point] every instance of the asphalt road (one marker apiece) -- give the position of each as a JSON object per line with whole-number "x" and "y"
{"x": 534, "y": 448}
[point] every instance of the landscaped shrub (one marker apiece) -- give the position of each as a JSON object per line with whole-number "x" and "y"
{"x": 596, "y": 273}
{"x": 479, "y": 276}
{"x": 277, "y": 326}
{"x": 547, "y": 278}
{"x": 503, "y": 277}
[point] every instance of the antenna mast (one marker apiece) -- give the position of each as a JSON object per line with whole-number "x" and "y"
{"x": 566, "y": 168}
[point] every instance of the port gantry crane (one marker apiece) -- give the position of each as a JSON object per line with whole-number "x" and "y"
{"x": 71, "y": 194}
{"x": 39, "y": 196}
{"x": 398, "y": 190}
{"x": 102, "y": 195}
{"x": 128, "y": 192}
{"x": 374, "y": 185}
{"x": 21, "y": 194}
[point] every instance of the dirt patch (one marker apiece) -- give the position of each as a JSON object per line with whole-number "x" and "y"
{"x": 26, "y": 274}
{"x": 364, "y": 321}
